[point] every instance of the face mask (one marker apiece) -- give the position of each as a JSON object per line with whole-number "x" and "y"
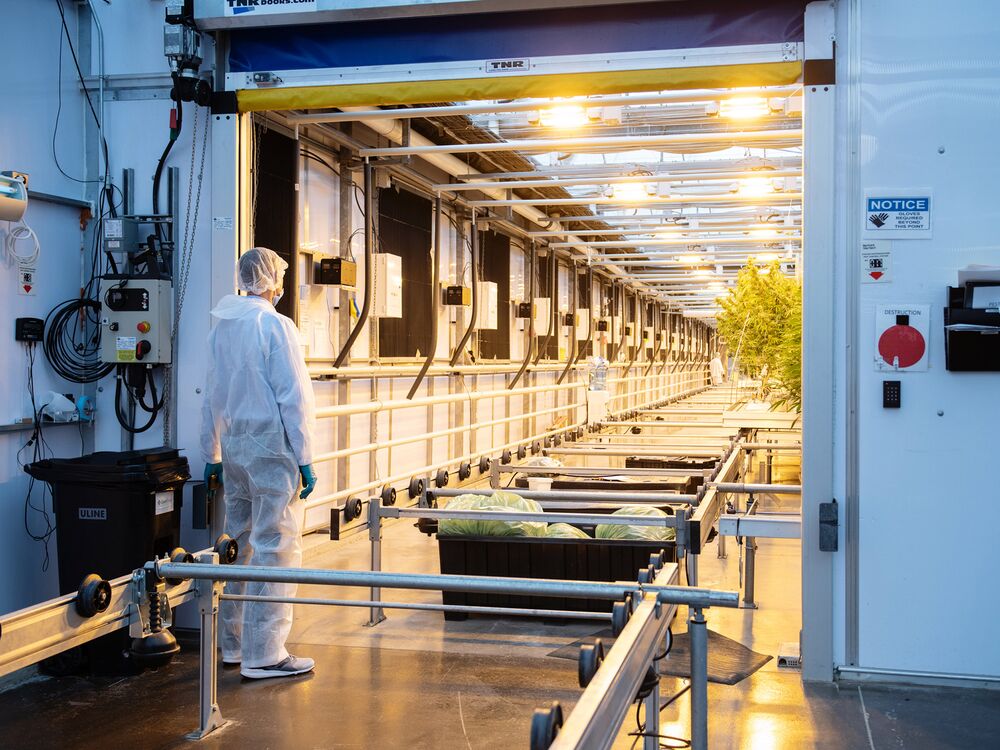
{"x": 277, "y": 297}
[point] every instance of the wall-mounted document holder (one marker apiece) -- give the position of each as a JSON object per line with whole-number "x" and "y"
{"x": 971, "y": 331}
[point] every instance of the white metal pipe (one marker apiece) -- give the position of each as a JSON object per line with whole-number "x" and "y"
{"x": 684, "y": 241}
{"x": 708, "y": 177}
{"x": 593, "y": 143}
{"x": 667, "y": 229}
{"x": 345, "y": 452}
{"x": 529, "y": 105}
{"x": 772, "y": 199}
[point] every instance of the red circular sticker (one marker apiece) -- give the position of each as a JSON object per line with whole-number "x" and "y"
{"x": 903, "y": 343}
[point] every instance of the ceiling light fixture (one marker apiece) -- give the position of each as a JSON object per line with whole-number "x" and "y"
{"x": 744, "y": 108}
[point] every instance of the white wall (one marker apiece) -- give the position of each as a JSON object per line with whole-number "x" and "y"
{"x": 930, "y": 104}
{"x": 27, "y": 117}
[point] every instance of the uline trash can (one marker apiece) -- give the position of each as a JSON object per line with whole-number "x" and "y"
{"x": 114, "y": 512}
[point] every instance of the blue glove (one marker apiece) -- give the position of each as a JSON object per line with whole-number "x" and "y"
{"x": 213, "y": 470}
{"x": 308, "y": 480}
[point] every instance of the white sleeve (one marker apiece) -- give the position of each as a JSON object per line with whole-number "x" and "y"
{"x": 289, "y": 379}
{"x": 211, "y": 446}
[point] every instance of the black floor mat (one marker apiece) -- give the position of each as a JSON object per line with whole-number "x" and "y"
{"x": 729, "y": 661}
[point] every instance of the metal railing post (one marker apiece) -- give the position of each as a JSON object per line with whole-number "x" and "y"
{"x": 209, "y": 715}
{"x": 698, "y": 634}
{"x": 750, "y": 564}
{"x": 651, "y": 738}
{"x": 376, "y": 614}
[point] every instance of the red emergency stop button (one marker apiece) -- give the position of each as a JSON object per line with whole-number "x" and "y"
{"x": 143, "y": 327}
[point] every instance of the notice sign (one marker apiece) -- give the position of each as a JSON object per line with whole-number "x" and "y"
{"x": 902, "y": 337}
{"x": 901, "y": 214}
{"x": 876, "y": 262}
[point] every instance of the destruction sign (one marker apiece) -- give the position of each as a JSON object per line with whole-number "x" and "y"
{"x": 898, "y": 215}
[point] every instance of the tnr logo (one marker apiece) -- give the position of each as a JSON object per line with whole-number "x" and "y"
{"x": 507, "y": 66}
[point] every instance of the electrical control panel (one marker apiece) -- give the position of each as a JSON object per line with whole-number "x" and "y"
{"x": 630, "y": 334}
{"x": 388, "y": 286}
{"x": 136, "y": 316}
{"x": 583, "y": 324}
{"x": 542, "y": 312}
{"x": 456, "y": 295}
{"x": 337, "y": 272}
{"x": 648, "y": 337}
{"x": 486, "y": 315}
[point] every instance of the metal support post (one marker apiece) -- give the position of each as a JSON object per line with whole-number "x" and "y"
{"x": 750, "y": 567}
{"x": 651, "y": 738}
{"x": 210, "y": 717}
{"x": 691, "y": 561}
{"x": 698, "y": 635}
{"x": 376, "y": 613}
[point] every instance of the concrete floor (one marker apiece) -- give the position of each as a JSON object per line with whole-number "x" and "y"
{"x": 417, "y": 682}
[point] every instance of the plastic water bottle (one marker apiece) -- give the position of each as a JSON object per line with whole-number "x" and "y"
{"x": 598, "y": 374}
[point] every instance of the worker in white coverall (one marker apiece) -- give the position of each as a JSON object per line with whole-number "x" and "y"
{"x": 716, "y": 370}
{"x": 256, "y": 422}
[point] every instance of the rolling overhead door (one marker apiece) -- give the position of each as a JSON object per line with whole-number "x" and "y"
{"x": 546, "y": 53}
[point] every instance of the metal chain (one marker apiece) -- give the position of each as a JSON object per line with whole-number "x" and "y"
{"x": 186, "y": 255}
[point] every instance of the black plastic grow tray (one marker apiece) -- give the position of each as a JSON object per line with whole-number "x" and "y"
{"x": 539, "y": 557}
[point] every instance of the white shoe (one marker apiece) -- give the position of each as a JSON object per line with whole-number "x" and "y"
{"x": 290, "y": 665}
{"x": 233, "y": 661}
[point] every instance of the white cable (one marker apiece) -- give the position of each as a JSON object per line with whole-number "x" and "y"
{"x": 17, "y": 233}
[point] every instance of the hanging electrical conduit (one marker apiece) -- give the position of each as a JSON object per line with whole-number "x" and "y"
{"x": 530, "y": 348}
{"x": 473, "y": 261}
{"x": 435, "y": 299}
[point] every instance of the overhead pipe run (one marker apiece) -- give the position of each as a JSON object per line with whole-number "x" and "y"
{"x": 435, "y": 298}
{"x": 369, "y": 219}
{"x": 792, "y": 136}
{"x": 530, "y": 105}
{"x": 730, "y": 199}
{"x": 393, "y": 130}
{"x": 475, "y": 293}
{"x": 735, "y": 176}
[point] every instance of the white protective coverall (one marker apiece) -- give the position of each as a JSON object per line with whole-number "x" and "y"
{"x": 256, "y": 419}
{"x": 716, "y": 370}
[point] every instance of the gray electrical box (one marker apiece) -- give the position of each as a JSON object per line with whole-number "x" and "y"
{"x": 136, "y": 317}
{"x": 121, "y": 235}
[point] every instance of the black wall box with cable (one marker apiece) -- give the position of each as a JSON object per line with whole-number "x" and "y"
{"x": 29, "y": 329}
{"x": 339, "y": 271}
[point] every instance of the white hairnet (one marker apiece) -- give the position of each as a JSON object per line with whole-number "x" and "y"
{"x": 261, "y": 270}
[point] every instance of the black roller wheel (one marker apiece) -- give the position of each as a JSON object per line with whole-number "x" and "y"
{"x": 93, "y": 596}
{"x": 521, "y": 451}
{"x": 388, "y": 495}
{"x": 441, "y": 478}
{"x": 591, "y": 656}
{"x": 416, "y": 488}
{"x": 179, "y": 555}
{"x": 545, "y": 725}
{"x": 621, "y": 612}
{"x": 505, "y": 456}
{"x": 464, "y": 470}
{"x": 352, "y": 509}
{"x": 484, "y": 464}
{"x": 227, "y": 549}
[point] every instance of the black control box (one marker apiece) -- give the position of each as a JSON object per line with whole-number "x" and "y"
{"x": 458, "y": 295}
{"x": 337, "y": 272}
{"x": 29, "y": 329}
{"x": 524, "y": 309}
